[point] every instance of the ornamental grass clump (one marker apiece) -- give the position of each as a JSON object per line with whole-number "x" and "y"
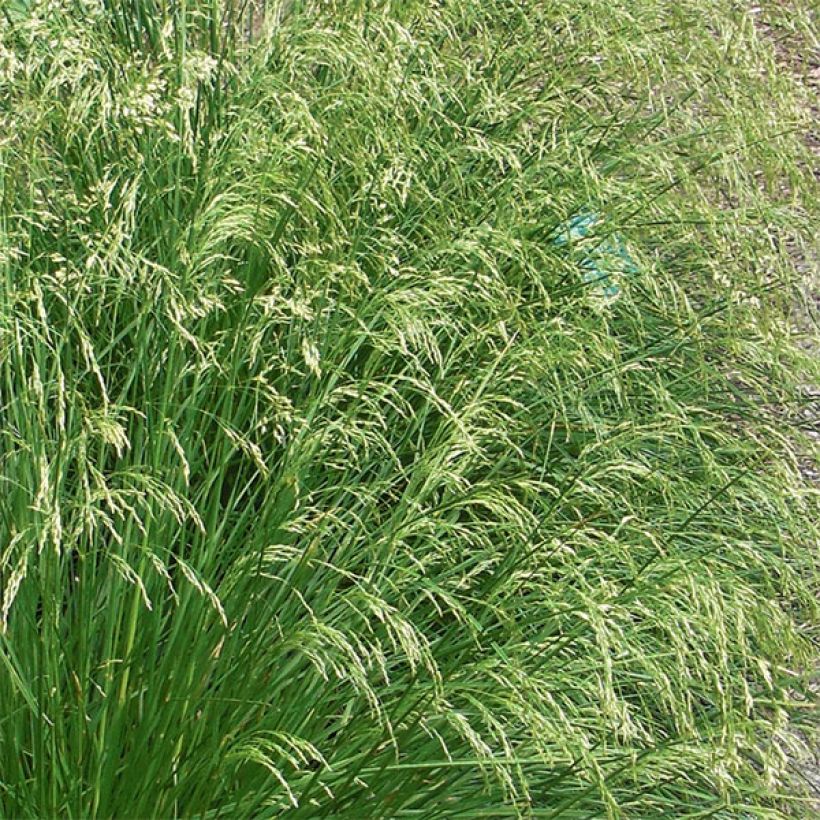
{"x": 340, "y": 476}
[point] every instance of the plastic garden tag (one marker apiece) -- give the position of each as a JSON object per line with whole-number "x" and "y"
{"x": 604, "y": 259}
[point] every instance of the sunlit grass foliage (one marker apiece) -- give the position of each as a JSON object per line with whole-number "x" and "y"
{"x": 398, "y": 411}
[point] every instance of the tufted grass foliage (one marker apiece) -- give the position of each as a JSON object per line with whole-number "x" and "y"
{"x": 329, "y": 486}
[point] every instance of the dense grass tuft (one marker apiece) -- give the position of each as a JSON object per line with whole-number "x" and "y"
{"x": 340, "y": 475}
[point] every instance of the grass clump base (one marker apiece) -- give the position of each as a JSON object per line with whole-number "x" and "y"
{"x": 333, "y": 484}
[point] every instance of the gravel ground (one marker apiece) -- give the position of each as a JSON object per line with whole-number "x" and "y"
{"x": 798, "y": 54}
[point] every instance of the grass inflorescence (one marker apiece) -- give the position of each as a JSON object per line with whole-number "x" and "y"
{"x": 396, "y": 410}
